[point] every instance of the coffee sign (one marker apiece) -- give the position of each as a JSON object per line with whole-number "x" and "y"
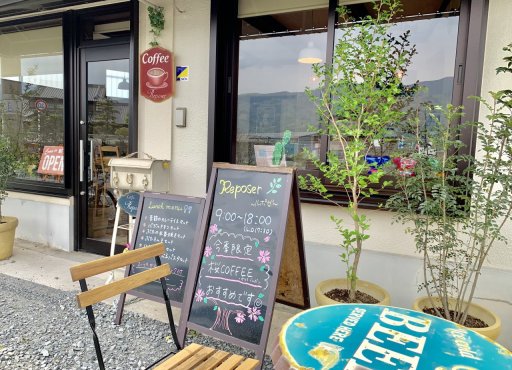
{"x": 156, "y": 68}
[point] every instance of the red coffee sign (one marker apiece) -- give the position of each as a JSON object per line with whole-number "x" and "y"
{"x": 156, "y": 79}
{"x": 52, "y": 161}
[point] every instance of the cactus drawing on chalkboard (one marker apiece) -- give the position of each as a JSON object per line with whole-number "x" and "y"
{"x": 275, "y": 184}
{"x": 280, "y": 148}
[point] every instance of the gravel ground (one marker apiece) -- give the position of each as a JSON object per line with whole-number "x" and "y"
{"x": 42, "y": 328}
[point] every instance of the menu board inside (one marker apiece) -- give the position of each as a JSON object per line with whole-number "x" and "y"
{"x": 174, "y": 221}
{"x": 241, "y": 254}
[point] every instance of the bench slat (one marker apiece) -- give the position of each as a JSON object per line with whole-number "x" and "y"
{"x": 121, "y": 286}
{"x": 179, "y": 357}
{"x": 106, "y": 264}
{"x": 231, "y": 363}
{"x": 248, "y": 364}
{"x": 213, "y": 361}
{"x": 197, "y": 358}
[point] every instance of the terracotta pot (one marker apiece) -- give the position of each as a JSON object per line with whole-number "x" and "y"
{"x": 482, "y": 313}
{"x": 7, "y": 231}
{"x": 364, "y": 286}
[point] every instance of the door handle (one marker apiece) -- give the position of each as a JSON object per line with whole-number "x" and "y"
{"x": 81, "y": 161}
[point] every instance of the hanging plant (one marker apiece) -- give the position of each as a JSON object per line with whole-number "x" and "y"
{"x": 157, "y": 22}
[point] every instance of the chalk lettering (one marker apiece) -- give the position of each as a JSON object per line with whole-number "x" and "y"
{"x": 229, "y": 188}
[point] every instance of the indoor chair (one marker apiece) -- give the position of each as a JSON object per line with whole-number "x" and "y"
{"x": 108, "y": 264}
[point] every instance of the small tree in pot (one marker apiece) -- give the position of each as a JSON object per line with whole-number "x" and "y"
{"x": 457, "y": 216}
{"x": 9, "y": 162}
{"x": 361, "y": 96}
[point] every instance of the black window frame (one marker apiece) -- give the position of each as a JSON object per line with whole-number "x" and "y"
{"x": 223, "y": 93}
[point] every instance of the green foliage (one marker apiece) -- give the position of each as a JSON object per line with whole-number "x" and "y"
{"x": 157, "y": 22}
{"x": 361, "y": 97}
{"x": 9, "y": 163}
{"x": 456, "y": 215}
{"x": 279, "y": 148}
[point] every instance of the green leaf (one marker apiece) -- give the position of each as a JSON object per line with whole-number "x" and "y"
{"x": 205, "y": 300}
{"x": 261, "y": 318}
{"x": 261, "y": 295}
{"x": 215, "y": 308}
{"x": 262, "y": 268}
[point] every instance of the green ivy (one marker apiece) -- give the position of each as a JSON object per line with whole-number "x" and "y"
{"x": 157, "y": 22}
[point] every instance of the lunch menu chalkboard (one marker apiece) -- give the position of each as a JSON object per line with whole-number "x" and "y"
{"x": 244, "y": 233}
{"x": 173, "y": 220}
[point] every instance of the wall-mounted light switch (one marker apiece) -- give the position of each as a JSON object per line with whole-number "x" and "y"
{"x": 180, "y": 117}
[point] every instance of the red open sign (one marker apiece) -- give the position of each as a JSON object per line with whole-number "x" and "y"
{"x": 52, "y": 161}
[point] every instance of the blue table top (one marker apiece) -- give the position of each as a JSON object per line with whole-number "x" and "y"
{"x": 362, "y": 337}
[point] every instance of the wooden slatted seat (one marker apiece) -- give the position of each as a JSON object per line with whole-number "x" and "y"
{"x": 198, "y": 357}
{"x": 108, "y": 264}
{"x": 194, "y": 356}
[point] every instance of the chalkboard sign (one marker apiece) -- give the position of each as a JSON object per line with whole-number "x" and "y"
{"x": 129, "y": 203}
{"x": 244, "y": 233}
{"x": 173, "y": 220}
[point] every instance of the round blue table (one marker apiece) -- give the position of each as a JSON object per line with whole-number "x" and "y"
{"x": 361, "y": 337}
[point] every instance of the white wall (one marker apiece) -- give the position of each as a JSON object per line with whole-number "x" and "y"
{"x": 42, "y": 219}
{"x": 499, "y": 34}
{"x": 187, "y": 35}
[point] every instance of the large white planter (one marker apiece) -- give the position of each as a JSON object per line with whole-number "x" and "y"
{"x": 480, "y": 312}
{"x": 374, "y": 290}
{"x": 7, "y": 231}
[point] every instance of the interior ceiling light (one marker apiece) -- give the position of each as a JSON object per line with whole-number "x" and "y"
{"x": 123, "y": 85}
{"x": 310, "y": 54}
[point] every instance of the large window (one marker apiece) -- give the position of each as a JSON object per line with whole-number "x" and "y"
{"x": 270, "y": 80}
{"x": 271, "y": 84}
{"x": 32, "y": 98}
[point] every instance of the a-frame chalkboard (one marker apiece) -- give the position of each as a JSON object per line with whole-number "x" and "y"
{"x": 251, "y": 231}
{"x": 173, "y": 220}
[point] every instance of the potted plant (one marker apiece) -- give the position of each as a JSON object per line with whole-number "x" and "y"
{"x": 360, "y": 97}
{"x": 456, "y": 216}
{"x": 8, "y": 164}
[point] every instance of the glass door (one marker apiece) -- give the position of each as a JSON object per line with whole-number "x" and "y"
{"x": 104, "y": 132}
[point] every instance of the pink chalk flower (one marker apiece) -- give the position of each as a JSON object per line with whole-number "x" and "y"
{"x": 240, "y": 317}
{"x": 199, "y": 295}
{"x": 264, "y": 256}
{"x": 213, "y": 229}
{"x": 266, "y": 239}
{"x": 253, "y": 312}
{"x": 208, "y": 251}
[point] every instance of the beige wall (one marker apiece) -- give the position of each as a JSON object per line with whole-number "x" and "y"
{"x": 187, "y": 35}
{"x": 499, "y": 34}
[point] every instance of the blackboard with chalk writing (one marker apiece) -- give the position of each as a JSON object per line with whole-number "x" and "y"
{"x": 244, "y": 233}
{"x": 173, "y": 220}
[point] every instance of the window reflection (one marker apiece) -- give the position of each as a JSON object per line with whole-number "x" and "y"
{"x": 271, "y": 85}
{"x": 434, "y": 31}
{"x": 31, "y": 100}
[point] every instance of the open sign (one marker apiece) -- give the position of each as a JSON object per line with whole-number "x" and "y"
{"x": 52, "y": 161}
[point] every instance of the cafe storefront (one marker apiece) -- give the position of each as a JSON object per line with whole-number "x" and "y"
{"x": 70, "y": 84}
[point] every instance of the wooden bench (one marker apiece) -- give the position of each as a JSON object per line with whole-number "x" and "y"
{"x": 108, "y": 264}
{"x": 198, "y": 357}
{"x": 192, "y": 357}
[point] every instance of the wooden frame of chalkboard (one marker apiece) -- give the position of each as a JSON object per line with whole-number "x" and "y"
{"x": 173, "y": 220}
{"x": 241, "y": 249}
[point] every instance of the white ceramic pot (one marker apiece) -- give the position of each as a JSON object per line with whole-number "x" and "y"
{"x": 374, "y": 290}
{"x": 480, "y": 312}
